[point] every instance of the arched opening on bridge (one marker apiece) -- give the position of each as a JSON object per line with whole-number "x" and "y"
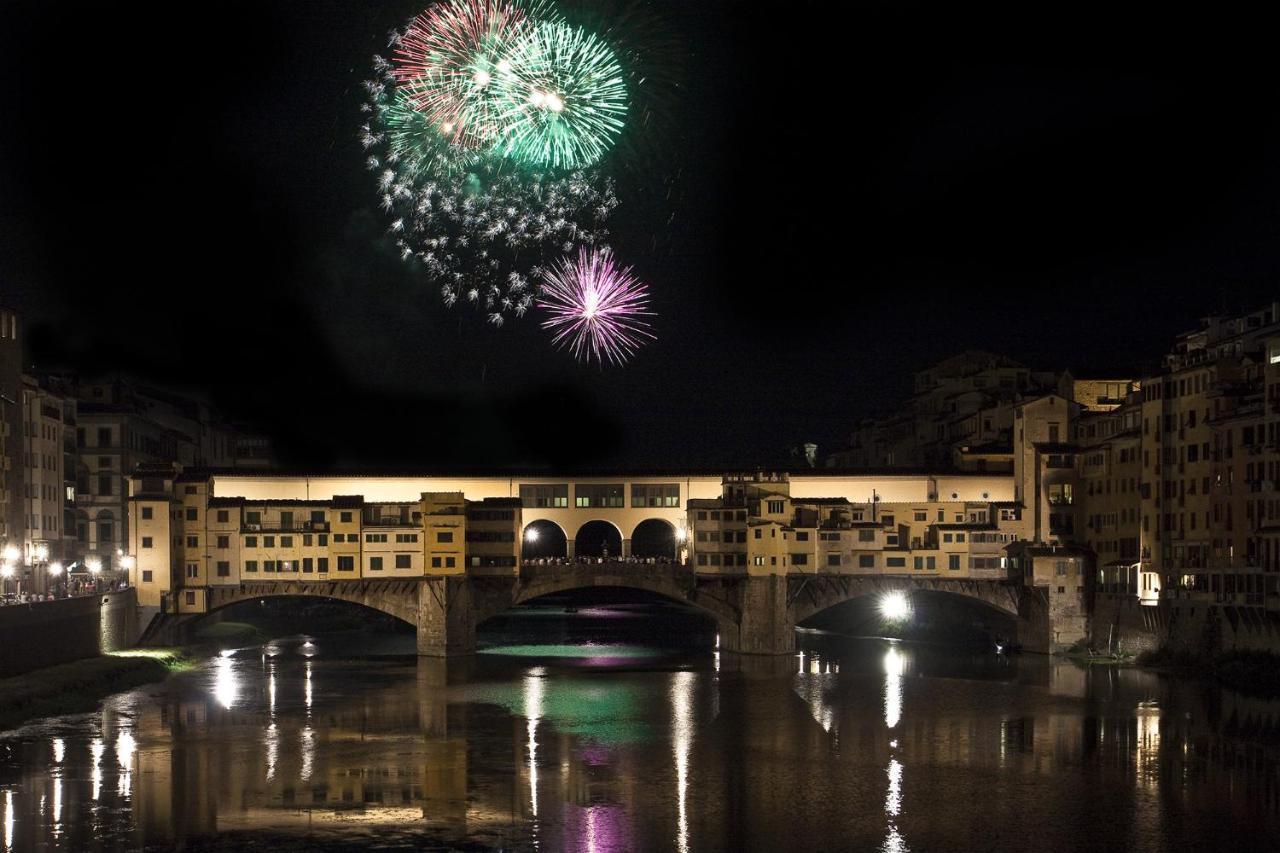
{"x": 543, "y": 540}
{"x": 598, "y": 539}
{"x": 929, "y": 615}
{"x": 601, "y": 625}
{"x": 252, "y": 620}
{"x": 654, "y": 538}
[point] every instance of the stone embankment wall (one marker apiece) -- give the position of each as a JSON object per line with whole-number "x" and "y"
{"x": 52, "y": 632}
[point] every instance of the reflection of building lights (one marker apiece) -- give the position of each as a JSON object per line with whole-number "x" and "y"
{"x": 8, "y": 820}
{"x": 59, "y": 750}
{"x": 895, "y": 606}
{"x": 306, "y": 688}
{"x": 57, "y": 806}
{"x": 273, "y": 748}
{"x": 125, "y": 747}
{"x": 96, "y": 748}
{"x": 308, "y": 752}
{"x": 682, "y": 741}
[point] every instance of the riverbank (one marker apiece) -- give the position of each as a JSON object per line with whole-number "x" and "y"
{"x": 78, "y": 687}
{"x": 1254, "y": 673}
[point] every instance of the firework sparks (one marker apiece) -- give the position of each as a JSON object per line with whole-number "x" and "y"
{"x": 595, "y": 308}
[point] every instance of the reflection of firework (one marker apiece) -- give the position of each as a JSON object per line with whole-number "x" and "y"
{"x": 446, "y": 61}
{"x": 596, "y": 309}
{"x": 562, "y": 97}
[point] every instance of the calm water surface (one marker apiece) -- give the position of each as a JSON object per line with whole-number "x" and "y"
{"x": 550, "y": 742}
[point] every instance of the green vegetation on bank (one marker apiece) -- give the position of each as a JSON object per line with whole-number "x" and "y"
{"x": 1256, "y": 673}
{"x": 78, "y": 687}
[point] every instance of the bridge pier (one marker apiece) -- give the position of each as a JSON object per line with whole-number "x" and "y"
{"x": 764, "y": 626}
{"x": 446, "y": 617}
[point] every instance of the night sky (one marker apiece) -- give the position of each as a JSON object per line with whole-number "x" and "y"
{"x": 845, "y": 193}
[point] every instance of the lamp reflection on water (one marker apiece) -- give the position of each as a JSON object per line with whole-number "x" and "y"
{"x": 8, "y": 821}
{"x": 225, "y": 685}
{"x": 894, "y": 663}
{"x": 125, "y": 747}
{"x": 534, "y": 692}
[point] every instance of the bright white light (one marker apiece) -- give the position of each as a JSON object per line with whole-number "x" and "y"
{"x": 10, "y": 553}
{"x": 225, "y": 687}
{"x": 55, "y": 569}
{"x": 126, "y": 562}
{"x": 93, "y": 564}
{"x": 6, "y": 570}
{"x": 504, "y": 66}
{"x": 895, "y": 606}
{"x": 480, "y": 78}
{"x": 537, "y": 98}
{"x": 531, "y": 535}
{"x": 40, "y": 553}
{"x": 59, "y": 750}
{"x": 554, "y": 103}
{"x": 681, "y": 534}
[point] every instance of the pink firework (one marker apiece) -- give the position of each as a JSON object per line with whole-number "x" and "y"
{"x": 448, "y": 58}
{"x": 595, "y": 308}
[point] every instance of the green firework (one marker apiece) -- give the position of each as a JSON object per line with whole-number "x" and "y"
{"x": 561, "y": 98}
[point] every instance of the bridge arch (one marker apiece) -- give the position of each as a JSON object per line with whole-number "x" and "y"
{"x": 813, "y": 595}
{"x": 543, "y": 539}
{"x": 656, "y": 538}
{"x": 598, "y": 538}
{"x": 398, "y": 599}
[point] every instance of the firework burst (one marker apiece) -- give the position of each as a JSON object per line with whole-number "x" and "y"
{"x": 595, "y": 308}
{"x": 561, "y": 96}
{"x": 446, "y": 62}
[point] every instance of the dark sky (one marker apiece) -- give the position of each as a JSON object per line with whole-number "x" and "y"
{"x": 846, "y": 192}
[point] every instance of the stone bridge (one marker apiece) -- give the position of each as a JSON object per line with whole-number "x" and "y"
{"x": 754, "y": 614}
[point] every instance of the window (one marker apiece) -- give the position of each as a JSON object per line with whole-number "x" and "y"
{"x": 655, "y": 495}
{"x": 106, "y": 531}
{"x": 435, "y": 562}
{"x": 146, "y": 513}
{"x": 866, "y": 535}
{"x": 921, "y": 515}
{"x": 146, "y": 576}
{"x": 346, "y": 563}
{"x": 251, "y": 566}
{"x": 191, "y": 514}
{"x": 307, "y": 565}
{"x": 104, "y": 484}
{"x": 596, "y": 495}
{"x": 317, "y": 516}
{"x": 104, "y": 436}
{"x": 268, "y": 541}
{"x": 345, "y": 518}
{"x": 544, "y": 496}
{"x": 268, "y": 565}
{"x": 953, "y": 562}
{"x": 833, "y": 559}
{"x": 322, "y": 565}
{"x": 223, "y": 516}
{"x": 224, "y": 569}
{"x": 801, "y": 559}
{"x": 895, "y": 562}
{"x": 375, "y": 564}
{"x": 404, "y": 561}
{"x": 193, "y": 570}
{"x": 758, "y": 533}
{"x": 253, "y": 518}
{"x": 191, "y": 598}
{"x": 286, "y": 541}
{"x": 866, "y": 561}
{"x": 802, "y": 536}
{"x": 224, "y": 542}
{"x": 251, "y": 541}
{"x": 146, "y": 542}
{"x": 775, "y": 507}
{"x": 444, "y": 536}
{"x": 450, "y": 562}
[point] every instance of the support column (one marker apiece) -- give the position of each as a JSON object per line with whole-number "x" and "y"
{"x": 626, "y": 549}
{"x": 765, "y": 627}
{"x": 569, "y": 547}
{"x": 446, "y": 618}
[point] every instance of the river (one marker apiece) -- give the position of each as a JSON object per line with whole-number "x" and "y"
{"x": 617, "y": 729}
